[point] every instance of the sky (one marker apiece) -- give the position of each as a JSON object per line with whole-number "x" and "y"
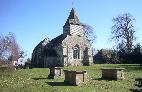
{"x": 33, "y": 20}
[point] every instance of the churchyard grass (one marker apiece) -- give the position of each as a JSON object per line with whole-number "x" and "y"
{"x": 35, "y": 80}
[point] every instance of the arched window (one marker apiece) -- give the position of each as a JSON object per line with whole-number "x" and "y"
{"x": 76, "y": 52}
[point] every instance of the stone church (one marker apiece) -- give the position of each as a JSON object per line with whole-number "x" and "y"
{"x": 68, "y": 49}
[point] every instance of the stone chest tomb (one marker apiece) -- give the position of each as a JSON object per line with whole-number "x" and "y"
{"x": 55, "y": 72}
{"x": 75, "y": 77}
{"x": 113, "y": 73}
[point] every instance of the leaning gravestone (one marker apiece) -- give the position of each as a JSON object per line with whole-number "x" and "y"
{"x": 55, "y": 72}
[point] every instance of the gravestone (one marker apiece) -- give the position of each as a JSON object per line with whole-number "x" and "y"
{"x": 113, "y": 73}
{"x": 75, "y": 77}
{"x": 55, "y": 72}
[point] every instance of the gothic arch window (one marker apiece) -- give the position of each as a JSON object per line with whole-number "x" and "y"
{"x": 76, "y": 52}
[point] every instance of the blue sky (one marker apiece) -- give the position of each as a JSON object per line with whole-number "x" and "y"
{"x": 34, "y": 20}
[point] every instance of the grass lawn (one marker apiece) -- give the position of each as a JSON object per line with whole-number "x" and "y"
{"x": 35, "y": 80}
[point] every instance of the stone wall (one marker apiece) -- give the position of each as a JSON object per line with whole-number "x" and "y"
{"x": 37, "y": 58}
{"x": 54, "y": 61}
{"x": 59, "y": 50}
{"x": 68, "y": 45}
{"x": 50, "y": 62}
{"x": 37, "y": 55}
{"x": 65, "y": 53}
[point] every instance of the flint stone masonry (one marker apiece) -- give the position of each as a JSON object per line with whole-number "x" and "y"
{"x": 113, "y": 73}
{"x": 75, "y": 77}
{"x": 55, "y": 72}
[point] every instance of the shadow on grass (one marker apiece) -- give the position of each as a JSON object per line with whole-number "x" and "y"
{"x": 107, "y": 79}
{"x": 39, "y": 78}
{"x": 138, "y": 85}
{"x": 58, "y": 84}
{"x": 135, "y": 90}
{"x": 132, "y": 67}
{"x": 137, "y": 65}
{"x": 99, "y": 79}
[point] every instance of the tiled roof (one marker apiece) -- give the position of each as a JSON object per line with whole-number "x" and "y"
{"x": 58, "y": 40}
{"x": 42, "y": 43}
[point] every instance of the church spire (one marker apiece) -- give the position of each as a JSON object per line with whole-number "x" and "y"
{"x": 73, "y": 26}
{"x": 72, "y": 19}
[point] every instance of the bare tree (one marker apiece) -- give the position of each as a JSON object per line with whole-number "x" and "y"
{"x": 9, "y": 49}
{"x": 3, "y": 47}
{"x": 123, "y": 31}
{"x": 89, "y": 33}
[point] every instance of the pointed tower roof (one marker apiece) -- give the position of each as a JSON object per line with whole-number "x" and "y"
{"x": 72, "y": 19}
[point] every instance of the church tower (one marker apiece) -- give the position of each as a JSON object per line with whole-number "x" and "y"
{"x": 73, "y": 26}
